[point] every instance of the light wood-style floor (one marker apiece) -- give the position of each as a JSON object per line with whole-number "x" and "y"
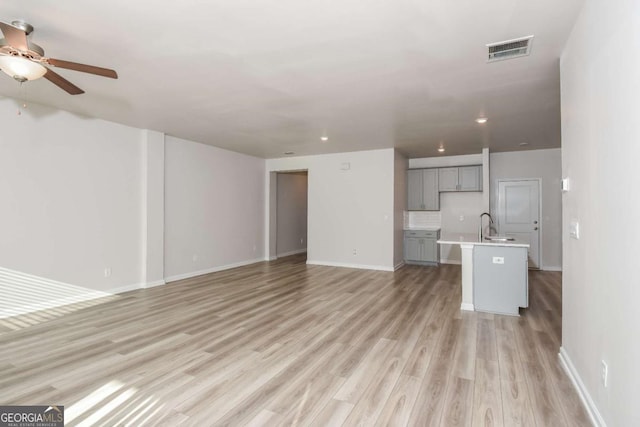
{"x": 283, "y": 343}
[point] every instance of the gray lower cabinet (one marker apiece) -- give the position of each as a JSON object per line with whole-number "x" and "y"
{"x": 422, "y": 190}
{"x": 420, "y": 247}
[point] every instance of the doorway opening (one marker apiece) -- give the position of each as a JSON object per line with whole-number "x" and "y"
{"x": 289, "y": 209}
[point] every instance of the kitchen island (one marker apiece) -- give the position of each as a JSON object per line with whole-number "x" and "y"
{"x": 494, "y": 273}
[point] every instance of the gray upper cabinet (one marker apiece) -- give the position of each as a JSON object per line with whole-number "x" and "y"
{"x": 422, "y": 190}
{"x": 414, "y": 188}
{"x": 470, "y": 178}
{"x": 448, "y": 179}
{"x": 465, "y": 178}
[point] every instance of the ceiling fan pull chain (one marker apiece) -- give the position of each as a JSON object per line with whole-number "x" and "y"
{"x": 23, "y": 98}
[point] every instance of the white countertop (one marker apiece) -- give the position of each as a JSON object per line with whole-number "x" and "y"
{"x": 472, "y": 239}
{"x": 422, "y": 228}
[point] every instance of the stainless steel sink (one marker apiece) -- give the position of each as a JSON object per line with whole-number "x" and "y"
{"x": 499, "y": 238}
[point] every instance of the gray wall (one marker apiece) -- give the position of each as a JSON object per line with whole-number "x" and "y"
{"x": 600, "y": 150}
{"x": 350, "y": 207}
{"x": 544, "y": 164}
{"x": 291, "y": 213}
{"x": 214, "y": 208}
{"x": 399, "y": 206}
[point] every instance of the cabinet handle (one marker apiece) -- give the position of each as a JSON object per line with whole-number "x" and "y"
{"x": 535, "y": 228}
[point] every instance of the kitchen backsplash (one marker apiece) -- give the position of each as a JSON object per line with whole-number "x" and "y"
{"x": 414, "y": 219}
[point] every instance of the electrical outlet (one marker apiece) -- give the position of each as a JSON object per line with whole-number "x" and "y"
{"x": 355, "y": 252}
{"x": 107, "y": 272}
{"x": 301, "y": 240}
{"x": 461, "y": 217}
{"x": 254, "y": 248}
{"x": 605, "y": 373}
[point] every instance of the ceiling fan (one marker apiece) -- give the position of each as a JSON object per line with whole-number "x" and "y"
{"x": 24, "y": 60}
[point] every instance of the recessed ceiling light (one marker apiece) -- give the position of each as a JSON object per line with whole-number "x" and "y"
{"x": 522, "y": 144}
{"x": 324, "y": 138}
{"x": 481, "y": 120}
{"x": 288, "y": 153}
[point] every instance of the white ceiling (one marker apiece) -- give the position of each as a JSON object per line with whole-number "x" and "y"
{"x": 265, "y": 77}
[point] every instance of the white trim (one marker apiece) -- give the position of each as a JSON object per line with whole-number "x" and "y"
{"x": 74, "y": 294}
{"x": 296, "y": 252}
{"x": 446, "y": 161}
{"x": 398, "y": 266}
{"x": 551, "y": 268}
{"x": 153, "y": 284}
{"x": 273, "y": 258}
{"x": 585, "y": 397}
{"x": 211, "y": 270}
{"x": 451, "y": 261}
{"x": 347, "y": 265}
{"x": 467, "y": 307}
{"x": 126, "y": 288}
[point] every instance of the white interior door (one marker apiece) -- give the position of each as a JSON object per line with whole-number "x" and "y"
{"x": 519, "y": 214}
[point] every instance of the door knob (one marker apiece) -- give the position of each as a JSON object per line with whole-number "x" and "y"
{"x": 535, "y": 228}
{"x": 535, "y": 222}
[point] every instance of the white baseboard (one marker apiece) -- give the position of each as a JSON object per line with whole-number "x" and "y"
{"x": 135, "y": 286}
{"x": 296, "y": 252}
{"x": 451, "y": 261}
{"x": 29, "y": 289}
{"x": 211, "y": 270}
{"x": 272, "y": 258}
{"x": 467, "y": 307}
{"x": 347, "y": 265}
{"x": 587, "y": 401}
{"x": 398, "y": 266}
{"x": 154, "y": 284}
{"x": 551, "y": 268}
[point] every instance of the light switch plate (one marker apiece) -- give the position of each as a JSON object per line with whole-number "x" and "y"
{"x": 566, "y": 185}
{"x": 574, "y": 229}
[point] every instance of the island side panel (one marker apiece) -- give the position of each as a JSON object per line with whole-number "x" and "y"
{"x": 500, "y": 279}
{"x": 467, "y": 277}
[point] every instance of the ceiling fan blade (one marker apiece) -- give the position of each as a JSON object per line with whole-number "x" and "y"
{"x": 104, "y": 72}
{"x": 62, "y": 83}
{"x": 16, "y": 37}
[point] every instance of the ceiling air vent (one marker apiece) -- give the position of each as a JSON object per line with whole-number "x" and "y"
{"x": 509, "y": 49}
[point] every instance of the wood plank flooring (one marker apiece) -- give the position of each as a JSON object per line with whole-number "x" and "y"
{"x": 283, "y": 343}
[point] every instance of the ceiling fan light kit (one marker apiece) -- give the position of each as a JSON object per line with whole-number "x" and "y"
{"x": 24, "y": 61}
{"x": 21, "y": 68}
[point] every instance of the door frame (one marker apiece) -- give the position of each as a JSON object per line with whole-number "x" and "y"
{"x": 540, "y": 225}
{"x": 271, "y": 243}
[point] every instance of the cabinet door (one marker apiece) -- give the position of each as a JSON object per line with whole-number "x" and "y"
{"x": 470, "y": 178}
{"x": 412, "y": 249}
{"x": 429, "y": 250}
{"x": 430, "y": 192}
{"x": 414, "y": 190}
{"x": 448, "y": 179}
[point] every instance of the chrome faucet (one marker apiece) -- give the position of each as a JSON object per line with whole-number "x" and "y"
{"x": 490, "y": 222}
